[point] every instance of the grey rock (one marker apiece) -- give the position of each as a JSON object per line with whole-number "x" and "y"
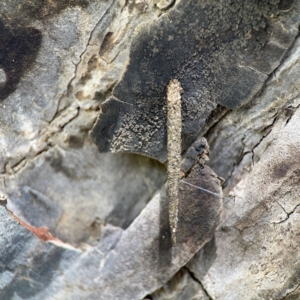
{"x": 54, "y": 155}
{"x": 236, "y": 136}
{"x": 257, "y": 239}
{"x": 42, "y": 43}
{"x": 99, "y": 201}
{"x": 255, "y": 253}
{"x": 27, "y": 265}
{"x": 116, "y": 268}
{"x": 97, "y": 189}
{"x": 221, "y": 53}
{"x": 37, "y": 209}
{"x": 181, "y": 287}
{"x": 143, "y": 259}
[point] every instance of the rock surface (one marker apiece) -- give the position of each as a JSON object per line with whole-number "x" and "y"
{"x": 60, "y": 60}
{"x": 255, "y": 252}
{"x": 116, "y": 268}
{"x": 258, "y": 238}
{"x": 221, "y": 53}
{"x": 46, "y": 154}
{"x": 27, "y": 264}
{"x": 181, "y": 287}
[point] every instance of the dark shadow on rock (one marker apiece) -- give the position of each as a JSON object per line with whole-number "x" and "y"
{"x": 165, "y": 241}
{"x": 18, "y": 50}
{"x": 198, "y": 211}
{"x": 19, "y": 42}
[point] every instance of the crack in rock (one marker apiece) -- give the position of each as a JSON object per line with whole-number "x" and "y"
{"x": 288, "y": 214}
{"x": 199, "y": 282}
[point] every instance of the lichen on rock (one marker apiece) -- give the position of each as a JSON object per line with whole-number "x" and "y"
{"x": 221, "y": 52}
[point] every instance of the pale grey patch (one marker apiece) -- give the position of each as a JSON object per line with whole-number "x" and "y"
{"x": 2, "y": 76}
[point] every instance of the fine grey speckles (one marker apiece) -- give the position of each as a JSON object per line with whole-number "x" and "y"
{"x": 130, "y": 128}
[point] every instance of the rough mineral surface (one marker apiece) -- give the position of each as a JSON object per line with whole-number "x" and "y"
{"x": 51, "y": 172}
{"x": 255, "y": 252}
{"x": 181, "y": 287}
{"x": 220, "y": 51}
{"x": 124, "y": 264}
{"x": 60, "y": 60}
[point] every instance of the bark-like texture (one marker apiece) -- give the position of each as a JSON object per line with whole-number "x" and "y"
{"x": 60, "y": 60}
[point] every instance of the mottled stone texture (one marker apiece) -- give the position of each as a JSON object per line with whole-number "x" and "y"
{"x": 255, "y": 251}
{"x": 181, "y": 287}
{"x": 63, "y": 64}
{"x": 125, "y": 264}
{"x": 28, "y": 265}
{"x": 257, "y": 244}
{"x": 50, "y": 170}
{"x": 220, "y": 51}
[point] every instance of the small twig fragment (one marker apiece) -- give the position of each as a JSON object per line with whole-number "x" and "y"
{"x": 174, "y": 124}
